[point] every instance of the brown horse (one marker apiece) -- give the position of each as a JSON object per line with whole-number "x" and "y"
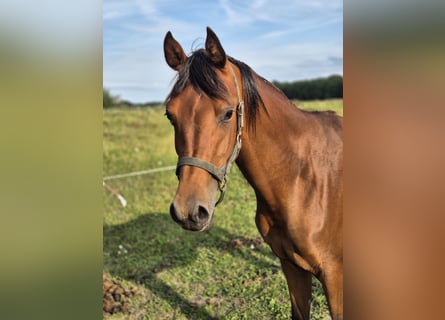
{"x": 292, "y": 158}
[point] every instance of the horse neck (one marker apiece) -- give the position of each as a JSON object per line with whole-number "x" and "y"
{"x": 266, "y": 150}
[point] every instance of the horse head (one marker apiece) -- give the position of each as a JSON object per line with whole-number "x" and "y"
{"x": 202, "y": 108}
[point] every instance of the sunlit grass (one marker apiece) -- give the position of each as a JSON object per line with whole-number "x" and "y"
{"x": 322, "y": 105}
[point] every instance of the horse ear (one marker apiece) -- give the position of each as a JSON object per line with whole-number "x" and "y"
{"x": 214, "y": 49}
{"x": 173, "y": 52}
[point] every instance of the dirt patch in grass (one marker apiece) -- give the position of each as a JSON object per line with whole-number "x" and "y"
{"x": 240, "y": 242}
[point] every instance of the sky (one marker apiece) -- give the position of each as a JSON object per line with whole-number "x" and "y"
{"x": 281, "y": 40}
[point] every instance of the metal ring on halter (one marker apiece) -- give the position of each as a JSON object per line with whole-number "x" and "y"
{"x": 220, "y": 174}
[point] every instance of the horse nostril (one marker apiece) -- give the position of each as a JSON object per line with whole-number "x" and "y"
{"x": 203, "y": 214}
{"x": 173, "y": 213}
{"x": 200, "y": 214}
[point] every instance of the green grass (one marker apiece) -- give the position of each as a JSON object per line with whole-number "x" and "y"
{"x": 319, "y": 105}
{"x": 225, "y": 273}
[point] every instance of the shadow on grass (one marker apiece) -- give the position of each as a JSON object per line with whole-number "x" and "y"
{"x": 142, "y": 249}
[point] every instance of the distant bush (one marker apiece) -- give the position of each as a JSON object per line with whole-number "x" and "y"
{"x": 316, "y": 89}
{"x": 109, "y": 100}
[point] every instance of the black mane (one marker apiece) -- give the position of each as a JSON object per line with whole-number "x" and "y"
{"x": 200, "y": 73}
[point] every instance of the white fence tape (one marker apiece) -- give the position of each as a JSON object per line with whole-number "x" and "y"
{"x": 130, "y": 174}
{"x": 139, "y": 173}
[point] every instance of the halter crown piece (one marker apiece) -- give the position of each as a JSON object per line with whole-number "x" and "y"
{"x": 220, "y": 174}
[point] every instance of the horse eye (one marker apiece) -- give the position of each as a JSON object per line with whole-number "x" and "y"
{"x": 169, "y": 117}
{"x": 228, "y": 115}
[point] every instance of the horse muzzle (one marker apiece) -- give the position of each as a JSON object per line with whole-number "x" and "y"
{"x": 196, "y": 217}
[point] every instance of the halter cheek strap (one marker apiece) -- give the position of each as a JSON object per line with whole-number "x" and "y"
{"x": 220, "y": 174}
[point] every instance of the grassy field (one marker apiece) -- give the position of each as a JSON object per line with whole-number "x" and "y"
{"x": 224, "y": 273}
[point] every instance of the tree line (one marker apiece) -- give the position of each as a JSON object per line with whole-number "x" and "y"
{"x": 110, "y": 101}
{"x": 315, "y": 89}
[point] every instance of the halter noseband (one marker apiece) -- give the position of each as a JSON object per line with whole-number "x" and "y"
{"x": 220, "y": 174}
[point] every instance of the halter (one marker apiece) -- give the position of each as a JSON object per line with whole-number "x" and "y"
{"x": 220, "y": 174}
